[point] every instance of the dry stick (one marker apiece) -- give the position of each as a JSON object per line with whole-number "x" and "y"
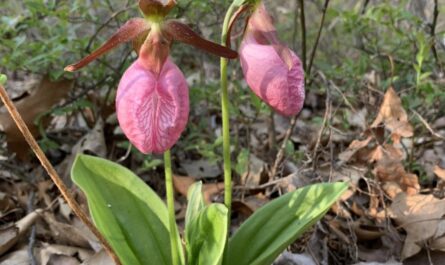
{"x": 433, "y": 35}
{"x": 52, "y": 172}
{"x": 280, "y": 155}
{"x": 314, "y": 50}
{"x": 303, "y": 33}
{"x": 428, "y": 126}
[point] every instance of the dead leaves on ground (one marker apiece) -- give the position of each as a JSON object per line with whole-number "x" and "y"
{"x": 421, "y": 217}
{"x": 393, "y": 116}
{"x": 182, "y": 185}
{"x": 41, "y": 98}
{"x": 383, "y": 150}
{"x": 387, "y": 157}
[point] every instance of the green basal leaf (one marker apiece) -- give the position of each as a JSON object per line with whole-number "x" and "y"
{"x": 127, "y": 212}
{"x": 195, "y": 202}
{"x": 206, "y": 236}
{"x": 276, "y": 225}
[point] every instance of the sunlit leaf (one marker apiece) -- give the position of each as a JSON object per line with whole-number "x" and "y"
{"x": 129, "y": 214}
{"x": 206, "y": 229}
{"x": 276, "y": 225}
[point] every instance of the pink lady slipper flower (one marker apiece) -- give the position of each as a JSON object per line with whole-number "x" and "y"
{"x": 152, "y": 102}
{"x": 272, "y": 70}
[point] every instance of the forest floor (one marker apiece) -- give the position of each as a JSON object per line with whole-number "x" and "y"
{"x": 366, "y": 122}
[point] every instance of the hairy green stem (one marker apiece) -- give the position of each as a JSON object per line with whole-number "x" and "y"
{"x": 226, "y": 125}
{"x": 171, "y": 206}
{"x": 226, "y": 118}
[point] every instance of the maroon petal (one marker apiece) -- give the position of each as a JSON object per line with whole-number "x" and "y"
{"x": 126, "y": 33}
{"x": 185, "y": 34}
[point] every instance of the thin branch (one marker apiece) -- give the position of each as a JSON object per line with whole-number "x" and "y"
{"x": 303, "y": 33}
{"x": 320, "y": 29}
{"x": 52, "y": 172}
{"x": 425, "y": 123}
{"x": 433, "y": 35}
{"x": 365, "y": 5}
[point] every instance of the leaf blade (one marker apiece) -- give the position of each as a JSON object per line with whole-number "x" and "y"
{"x": 128, "y": 213}
{"x": 206, "y": 235}
{"x": 272, "y": 228}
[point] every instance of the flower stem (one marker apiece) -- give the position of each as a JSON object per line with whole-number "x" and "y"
{"x": 226, "y": 139}
{"x": 226, "y": 119}
{"x": 171, "y": 206}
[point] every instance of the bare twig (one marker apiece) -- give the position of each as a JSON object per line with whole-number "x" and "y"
{"x": 317, "y": 40}
{"x": 326, "y": 117}
{"x": 303, "y": 33}
{"x": 280, "y": 155}
{"x": 425, "y": 123}
{"x": 32, "y": 236}
{"x": 365, "y": 5}
{"x": 433, "y": 35}
{"x": 52, "y": 172}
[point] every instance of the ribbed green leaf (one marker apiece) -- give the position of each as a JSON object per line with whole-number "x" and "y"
{"x": 277, "y": 224}
{"x": 127, "y": 212}
{"x": 195, "y": 202}
{"x": 206, "y": 236}
{"x": 205, "y": 230}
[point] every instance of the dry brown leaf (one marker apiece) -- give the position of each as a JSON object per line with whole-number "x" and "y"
{"x": 6, "y": 202}
{"x": 353, "y": 148}
{"x": 182, "y": 185}
{"x": 249, "y": 205}
{"x": 255, "y": 174}
{"x": 93, "y": 142}
{"x": 51, "y": 253}
{"x": 440, "y": 172}
{"x": 40, "y": 100}
{"x": 420, "y": 216}
{"x": 10, "y": 236}
{"x": 20, "y": 257}
{"x": 365, "y": 232}
{"x": 426, "y": 257}
{"x": 386, "y": 152}
{"x": 65, "y": 233}
{"x": 393, "y": 116}
{"x": 389, "y": 168}
{"x": 100, "y": 258}
{"x": 42, "y": 189}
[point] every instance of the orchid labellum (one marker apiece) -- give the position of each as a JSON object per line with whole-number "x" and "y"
{"x": 152, "y": 101}
{"x": 272, "y": 70}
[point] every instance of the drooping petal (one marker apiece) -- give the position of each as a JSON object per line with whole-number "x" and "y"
{"x": 153, "y": 111}
{"x": 183, "y": 33}
{"x": 130, "y": 30}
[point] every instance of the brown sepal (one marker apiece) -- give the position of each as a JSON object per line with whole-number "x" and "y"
{"x": 126, "y": 33}
{"x": 183, "y": 33}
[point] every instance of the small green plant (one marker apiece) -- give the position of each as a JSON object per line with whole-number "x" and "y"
{"x": 135, "y": 219}
{"x": 152, "y": 106}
